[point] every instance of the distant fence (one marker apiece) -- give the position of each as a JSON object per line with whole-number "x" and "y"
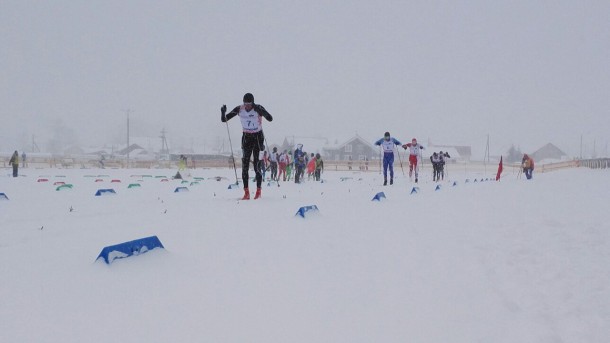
{"x": 549, "y": 167}
{"x": 595, "y": 163}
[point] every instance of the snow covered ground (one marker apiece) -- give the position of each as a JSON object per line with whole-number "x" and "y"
{"x": 510, "y": 261}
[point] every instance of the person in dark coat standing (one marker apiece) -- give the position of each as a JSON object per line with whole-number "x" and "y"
{"x": 15, "y": 163}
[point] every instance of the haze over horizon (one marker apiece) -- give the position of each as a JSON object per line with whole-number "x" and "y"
{"x": 524, "y": 73}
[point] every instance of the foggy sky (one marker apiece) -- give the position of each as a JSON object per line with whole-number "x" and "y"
{"x": 524, "y": 72}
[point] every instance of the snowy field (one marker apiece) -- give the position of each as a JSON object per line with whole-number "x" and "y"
{"x": 513, "y": 261}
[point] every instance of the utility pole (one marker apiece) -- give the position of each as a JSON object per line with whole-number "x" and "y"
{"x": 127, "y": 111}
{"x": 164, "y": 146}
{"x": 35, "y": 147}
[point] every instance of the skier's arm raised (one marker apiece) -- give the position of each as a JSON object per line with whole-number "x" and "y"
{"x": 233, "y": 113}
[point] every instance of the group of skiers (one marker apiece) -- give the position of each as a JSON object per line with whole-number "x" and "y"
{"x": 253, "y": 146}
{"x": 387, "y": 144}
{"x": 281, "y": 164}
{"x": 438, "y": 165}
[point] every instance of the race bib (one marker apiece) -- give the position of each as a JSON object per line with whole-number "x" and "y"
{"x": 250, "y": 121}
{"x": 387, "y": 146}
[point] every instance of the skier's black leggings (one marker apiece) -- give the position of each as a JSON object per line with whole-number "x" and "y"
{"x": 273, "y": 170}
{"x": 252, "y": 143}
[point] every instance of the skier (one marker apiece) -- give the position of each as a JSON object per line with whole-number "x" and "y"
{"x": 305, "y": 162}
{"x": 414, "y": 152}
{"x": 273, "y": 159}
{"x": 387, "y": 143}
{"x": 319, "y": 167}
{"x": 182, "y": 163}
{"x": 289, "y": 165}
{"x": 253, "y": 139}
{"x": 311, "y": 167}
{"x": 442, "y": 155}
{"x": 283, "y": 163}
{"x": 436, "y": 166}
{"x": 14, "y": 161}
{"x": 299, "y": 163}
{"x": 528, "y": 166}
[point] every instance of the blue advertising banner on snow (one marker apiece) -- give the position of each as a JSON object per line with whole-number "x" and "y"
{"x": 131, "y": 248}
{"x": 379, "y": 196}
{"x": 306, "y": 209}
{"x": 101, "y": 192}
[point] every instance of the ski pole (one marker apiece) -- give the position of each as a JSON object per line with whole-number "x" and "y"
{"x": 379, "y": 160}
{"x": 232, "y": 156}
{"x": 400, "y": 159}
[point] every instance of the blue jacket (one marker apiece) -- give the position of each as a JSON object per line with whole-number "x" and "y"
{"x": 388, "y": 145}
{"x": 299, "y": 158}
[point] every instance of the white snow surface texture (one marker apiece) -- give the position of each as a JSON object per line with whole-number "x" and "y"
{"x": 513, "y": 261}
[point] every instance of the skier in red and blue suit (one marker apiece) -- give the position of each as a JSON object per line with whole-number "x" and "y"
{"x": 387, "y": 143}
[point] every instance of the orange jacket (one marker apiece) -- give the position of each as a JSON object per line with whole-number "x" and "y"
{"x": 311, "y": 166}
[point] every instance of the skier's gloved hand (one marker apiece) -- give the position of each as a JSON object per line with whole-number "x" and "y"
{"x": 223, "y": 110}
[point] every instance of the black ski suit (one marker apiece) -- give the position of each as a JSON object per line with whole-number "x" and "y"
{"x": 252, "y": 140}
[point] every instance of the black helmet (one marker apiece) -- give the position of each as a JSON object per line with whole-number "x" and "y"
{"x": 248, "y": 97}
{"x": 387, "y": 134}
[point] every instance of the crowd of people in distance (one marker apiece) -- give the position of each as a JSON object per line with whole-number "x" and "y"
{"x": 287, "y": 165}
